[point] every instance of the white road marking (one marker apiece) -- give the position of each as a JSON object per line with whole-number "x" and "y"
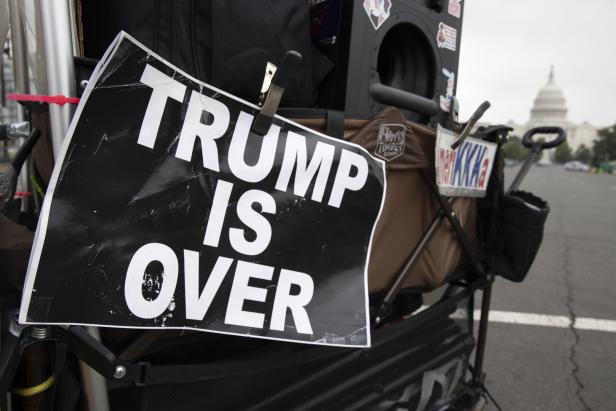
{"x": 595, "y": 324}
{"x": 543, "y": 320}
{"x": 509, "y": 317}
{"x": 612, "y": 188}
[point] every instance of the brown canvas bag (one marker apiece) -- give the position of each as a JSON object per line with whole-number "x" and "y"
{"x": 409, "y": 206}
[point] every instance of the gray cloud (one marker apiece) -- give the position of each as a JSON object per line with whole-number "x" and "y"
{"x": 508, "y": 46}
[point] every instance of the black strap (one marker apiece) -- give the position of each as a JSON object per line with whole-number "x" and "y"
{"x": 67, "y": 388}
{"x": 147, "y": 374}
{"x": 335, "y": 124}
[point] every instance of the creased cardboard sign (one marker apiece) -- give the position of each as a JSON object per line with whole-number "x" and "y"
{"x": 165, "y": 210}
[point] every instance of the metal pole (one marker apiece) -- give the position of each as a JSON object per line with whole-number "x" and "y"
{"x": 20, "y": 55}
{"x": 483, "y": 329}
{"x": 58, "y": 51}
{"x": 20, "y": 76}
{"x": 57, "y": 21}
{"x": 94, "y": 384}
{"x": 384, "y": 309}
{"x": 524, "y": 170}
{"x": 72, "y": 14}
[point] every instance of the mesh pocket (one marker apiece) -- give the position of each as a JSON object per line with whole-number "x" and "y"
{"x": 518, "y": 235}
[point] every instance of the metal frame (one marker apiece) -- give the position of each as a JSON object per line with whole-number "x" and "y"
{"x": 20, "y": 72}
{"x": 56, "y": 20}
{"x": 59, "y": 65}
{"x": 60, "y": 48}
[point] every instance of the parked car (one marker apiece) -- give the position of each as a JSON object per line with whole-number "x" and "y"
{"x": 576, "y": 166}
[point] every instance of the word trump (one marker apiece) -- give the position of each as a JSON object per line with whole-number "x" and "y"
{"x": 352, "y": 168}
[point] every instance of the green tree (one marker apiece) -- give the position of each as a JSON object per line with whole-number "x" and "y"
{"x": 604, "y": 148}
{"x": 514, "y": 149}
{"x": 583, "y": 154}
{"x": 562, "y": 154}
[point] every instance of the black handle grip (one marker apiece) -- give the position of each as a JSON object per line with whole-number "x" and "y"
{"x": 25, "y": 149}
{"x": 403, "y": 99}
{"x": 291, "y": 62}
{"x": 528, "y": 141}
{"x": 471, "y": 123}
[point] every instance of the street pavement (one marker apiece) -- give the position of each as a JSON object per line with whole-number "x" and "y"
{"x": 534, "y": 367}
{"x": 546, "y": 368}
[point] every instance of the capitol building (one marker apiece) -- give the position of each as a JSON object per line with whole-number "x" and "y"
{"x": 550, "y": 109}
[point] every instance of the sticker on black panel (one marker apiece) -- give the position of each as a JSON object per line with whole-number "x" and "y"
{"x": 446, "y": 37}
{"x": 378, "y": 11}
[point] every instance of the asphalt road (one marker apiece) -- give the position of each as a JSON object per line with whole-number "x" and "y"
{"x": 533, "y": 367}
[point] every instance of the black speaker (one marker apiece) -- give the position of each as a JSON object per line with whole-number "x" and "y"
{"x": 390, "y": 52}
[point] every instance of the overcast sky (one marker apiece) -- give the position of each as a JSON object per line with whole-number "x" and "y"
{"x": 508, "y": 47}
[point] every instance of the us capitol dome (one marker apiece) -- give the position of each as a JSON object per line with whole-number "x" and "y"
{"x": 550, "y": 109}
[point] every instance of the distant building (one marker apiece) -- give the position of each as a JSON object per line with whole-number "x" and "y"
{"x": 550, "y": 109}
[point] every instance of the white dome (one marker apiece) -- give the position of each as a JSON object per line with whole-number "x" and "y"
{"x": 550, "y": 104}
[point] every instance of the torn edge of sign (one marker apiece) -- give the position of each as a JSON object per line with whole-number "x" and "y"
{"x": 41, "y": 229}
{"x": 39, "y": 238}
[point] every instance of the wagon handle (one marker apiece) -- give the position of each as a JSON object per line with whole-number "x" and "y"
{"x": 405, "y": 100}
{"x": 537, "y": 146}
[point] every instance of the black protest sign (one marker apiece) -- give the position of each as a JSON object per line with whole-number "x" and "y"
{"x": 165, "y": 210}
